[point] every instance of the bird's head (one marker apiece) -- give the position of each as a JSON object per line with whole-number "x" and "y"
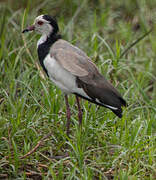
{"x": 43, "y": 24}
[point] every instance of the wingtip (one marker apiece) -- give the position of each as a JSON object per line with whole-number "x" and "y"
{"x": 123, "y": 102}
{"x": 118, "y": 112}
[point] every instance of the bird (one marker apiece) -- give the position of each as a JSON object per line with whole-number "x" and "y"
{"x": 70, "y": 69}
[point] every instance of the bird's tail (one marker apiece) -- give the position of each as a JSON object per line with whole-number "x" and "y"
{"x": 103, "y": 94}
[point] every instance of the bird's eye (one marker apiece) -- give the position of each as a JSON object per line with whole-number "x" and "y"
{"x": 40, "y": 23}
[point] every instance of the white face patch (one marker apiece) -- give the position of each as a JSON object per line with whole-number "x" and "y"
{"x": 45, "y": 28}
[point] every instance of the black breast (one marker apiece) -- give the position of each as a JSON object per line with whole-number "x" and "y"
{"x": 44, "y": 48}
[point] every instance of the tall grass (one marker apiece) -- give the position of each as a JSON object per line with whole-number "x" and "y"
{"x": 32, "y": 109}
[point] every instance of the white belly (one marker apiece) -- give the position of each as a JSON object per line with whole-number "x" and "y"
{"x": 61, "y": 77}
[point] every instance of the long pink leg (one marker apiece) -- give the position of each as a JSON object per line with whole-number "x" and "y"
{"x": 68, "y": 114}
{"x": 80, "y": 110}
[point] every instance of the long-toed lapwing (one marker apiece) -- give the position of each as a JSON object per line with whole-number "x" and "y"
{"x": 72, "y": 70}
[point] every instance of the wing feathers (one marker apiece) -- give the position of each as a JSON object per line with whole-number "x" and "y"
{"x": 70, "y": 62}
{"x": 73, "y": 59}
{"x": 103, "y": 95}
{"x": 87, "y": 76}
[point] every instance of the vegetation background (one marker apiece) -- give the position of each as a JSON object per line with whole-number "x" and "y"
{"x": 32, "y": 109}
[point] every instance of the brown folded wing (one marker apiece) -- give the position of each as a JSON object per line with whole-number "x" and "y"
{"x": 87, "y": 75}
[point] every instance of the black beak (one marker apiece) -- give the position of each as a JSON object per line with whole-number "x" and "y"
{"x": 30, "y": 28}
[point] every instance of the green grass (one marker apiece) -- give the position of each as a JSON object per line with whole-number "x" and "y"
{"x": 31, "y": 107}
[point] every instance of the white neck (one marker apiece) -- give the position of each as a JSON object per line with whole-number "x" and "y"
{"x": 42, "y": 39}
